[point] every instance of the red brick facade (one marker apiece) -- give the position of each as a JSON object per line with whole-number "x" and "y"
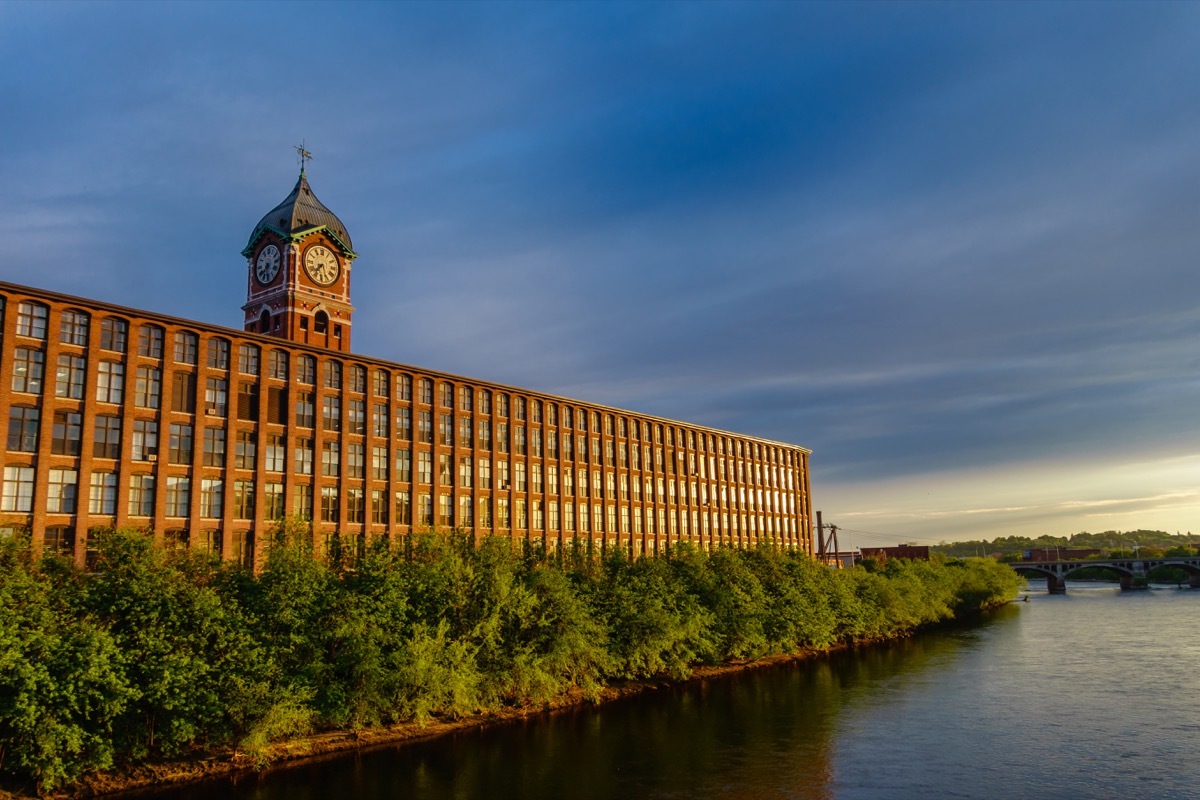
{"x": 207, "y": 435}
{"x": 361, "y": 445}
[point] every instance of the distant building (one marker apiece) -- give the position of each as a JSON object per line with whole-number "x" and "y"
{"x": 916, "y": 552}
{"x": 207, "y": 435}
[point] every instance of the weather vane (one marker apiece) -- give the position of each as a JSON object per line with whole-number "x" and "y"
{"x": 305, "y": 156}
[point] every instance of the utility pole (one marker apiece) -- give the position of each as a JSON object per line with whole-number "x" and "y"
{"x": 820, "y": 539}
{"x": 823, "y": 542}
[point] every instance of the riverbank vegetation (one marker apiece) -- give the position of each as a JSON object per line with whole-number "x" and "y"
{"x": 166, "y": 654}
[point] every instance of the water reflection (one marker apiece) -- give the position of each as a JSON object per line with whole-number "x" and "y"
{"x": 764, "y": 734}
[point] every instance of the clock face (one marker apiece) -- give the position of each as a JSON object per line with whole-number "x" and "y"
{"x": 321, "y": 265}
{"x": 267, "y": 265}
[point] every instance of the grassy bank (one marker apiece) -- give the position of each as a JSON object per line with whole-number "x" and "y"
{"x": 163, "y": 655}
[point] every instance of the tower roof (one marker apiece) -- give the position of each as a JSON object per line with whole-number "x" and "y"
{"x": 299, "y": 215}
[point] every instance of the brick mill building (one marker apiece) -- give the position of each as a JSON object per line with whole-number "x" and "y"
{"x": 207, "y": 435}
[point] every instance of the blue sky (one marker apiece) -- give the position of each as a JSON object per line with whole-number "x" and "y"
{"x": 951, "y": 248}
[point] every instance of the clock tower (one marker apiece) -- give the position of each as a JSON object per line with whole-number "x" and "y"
{"x": 298, "y": 283}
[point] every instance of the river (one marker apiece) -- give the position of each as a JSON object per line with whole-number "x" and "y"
{"x": 1092, "y": 694}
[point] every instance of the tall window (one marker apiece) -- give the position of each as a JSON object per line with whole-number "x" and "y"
{"x": 28, "y": 368}
{"x": 218, "y": 353}
{"x": 304, "y": 410}
{"x": 180, "y": 444}
{"x": 379, "y": 463}
{"x": 446, "y": 395}
{"x": 304, "y": 457}
{"x": 23, "y": 429}
{"x": 378, "y": 507}
{"x": 73, "y": 327}
{"x": 183, "y": 392}
{"x": 403, "y": 507}
{"x": 465, "y": 396}
{"x": 446, "y": 429}
{"x": 425, "y": 427}
{"x": 107, "y": 439}
{"x": 245, "y": 450}
{"x": 354, "y": 505}
{"x": 358, "y": 379}
{"x": 248, "y": 359}
{"x": 331, "y": 413}
{"x": 243, "y": 499}
{"x": 403, "y": 424}
{"x": 404, "y": 387}
{"x": 330, "y": 460}
{"x": 110, "y": 382}
{"x": 356, "y": 417}
{"x": 424, "y": 467}
{"x": 147, "y": 388}
{"x": 277, "y": 366}
{"x": 102, "y": 498}
{"x": 485, "y": 473}
{"x": 216, "y": 396}
{"x": 186, "y": 344}
{"x": 355, "y": 468}
{"x": 404, "y": 465}
{"x": 61, "y": 491}
{"x": 329, "y": 504}
{"x": 17, "y": 494}
{"x": 247, "y": 401}
{"x": 333, "y": 374}
{"x": 114, "y": 334}
{"x": 31, "y": 320}
{"x": 466, "y": 471}
{"x": 179, "y": 496}
{"x": 141, "y": 495}
{"x": 379, "y": 420}
{"x": 150, "y": 341}
{"x": 211, "y": 497}
{"x": 145, "y": 439}
{"x": 302, "y": 502}
{"x": 214, "y": 447}
{"x": 379, "y": 383}
{"x": 68, "y": 380}
{"x": 425, "y": 391}
{"x": 66, "y": 433}
{"x": 276, "y": 452}
{"x": 273, "y": 500}
{"x": 306, "y": 370}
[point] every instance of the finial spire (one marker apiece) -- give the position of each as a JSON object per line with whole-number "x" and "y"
{"x": 304, "y": 155}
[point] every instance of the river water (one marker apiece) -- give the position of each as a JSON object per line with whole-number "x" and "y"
{"x": 1092, "y": 694}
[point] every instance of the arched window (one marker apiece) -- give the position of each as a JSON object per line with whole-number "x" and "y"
{"x": 73, "y": 327}
{"x": 264, "y": 321}
{"x": 321, "y": 323}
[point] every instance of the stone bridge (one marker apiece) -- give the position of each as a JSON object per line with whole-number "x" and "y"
{"x": 1131, "y": 572}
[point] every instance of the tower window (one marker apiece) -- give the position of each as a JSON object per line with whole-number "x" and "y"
{"x": 321, "y": 322}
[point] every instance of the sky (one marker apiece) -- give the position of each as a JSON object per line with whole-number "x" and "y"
{"x": 949, "y": 247}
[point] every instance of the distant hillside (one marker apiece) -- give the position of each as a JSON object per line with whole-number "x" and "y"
{"x": 1108, "y": 540}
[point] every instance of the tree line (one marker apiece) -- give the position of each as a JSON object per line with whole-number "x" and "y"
{"x": 1113, "y": 543}
{"x": 161, "y": 654}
